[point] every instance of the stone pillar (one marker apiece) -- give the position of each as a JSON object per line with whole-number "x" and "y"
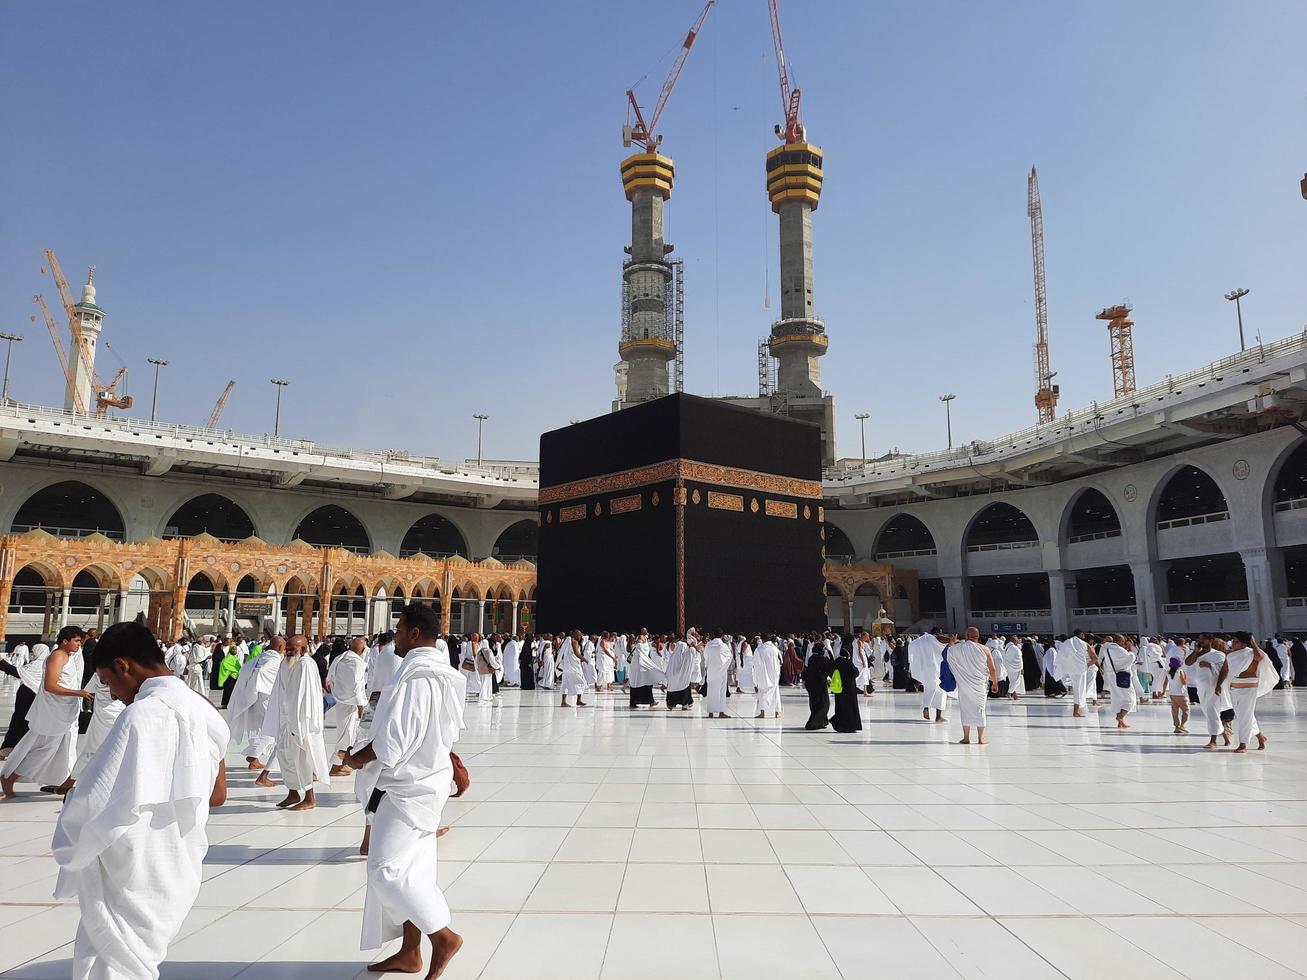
{"x": 1148, "y": 605}
{"x": 231, "y": 610}
{"x": 955, "y": 602}
{"x": 446, "y": 612}
{"x": 65, "y": 607}
{"x": 515, "y": 605}
{"x": 7, "y": 572}
{"x": 848, "y": 615}
{"x": 306, "y": 614}
{"x": 481, "y": 616}
{"x": 47, "y": 619}
{"x": 120, "y": 614}
{"x": 1263, "y": 600}
{"x": 1057, "y": 602}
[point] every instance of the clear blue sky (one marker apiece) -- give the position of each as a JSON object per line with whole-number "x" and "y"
{"x": 412, "y": 209}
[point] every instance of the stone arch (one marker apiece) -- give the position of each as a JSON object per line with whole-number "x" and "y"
{"x": 71, "y": 505}
{"x": 998, "y": 523}
{"x": 1286, "y": 480}
{"x": 1089, "y": 513}
{"x": 903, "y": 533}
{"x": 210, "y": 513}
{"x": 838, "y": 544}
{"x": 517, "y": 541}
{"x": 34, "y": 586}
{"x": 334, "y": 526}
{"x": 1186, "y": 491}
{"x": 436, "y": 535}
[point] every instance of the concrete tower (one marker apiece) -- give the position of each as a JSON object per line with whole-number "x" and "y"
{"x": 90, "y": 320}
{"x": 798, "y": 338}
{"x": 647, "y": 344}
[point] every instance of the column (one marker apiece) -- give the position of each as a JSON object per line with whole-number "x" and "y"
{"x": 446, "y": 612}
{"x": 848, "y": 615}
{"x": 47, "y": 620}
{"x": 231, "y": 610}
{"x": 481, "y": 615}
{"x": 1057, "y": 602}
{"x": 6, "y": 592}
{"x": 307, "y": 615}
{"x": 1148, "y": 607}
{"x": 955, "y": 602}
{"x": 65, "y": 603}
{"x": 1263, "y": 601}
{"x": 515, "y": 604}
{"x": 121, "y": 614}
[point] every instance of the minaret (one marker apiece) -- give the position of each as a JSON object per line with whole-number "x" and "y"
{"x": 647, "y": 344}
{"x": 798, "y": 338}
{"x": 90, "y": 320}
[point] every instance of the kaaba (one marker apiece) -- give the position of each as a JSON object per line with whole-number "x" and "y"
{"x": 682, "y": 511}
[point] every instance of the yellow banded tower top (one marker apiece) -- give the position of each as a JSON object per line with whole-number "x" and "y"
{"x": 793, "y": 174}
{"x": 648, "y": 171}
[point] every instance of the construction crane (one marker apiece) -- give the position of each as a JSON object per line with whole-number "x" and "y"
{"x": 642, "y": 133}
{"x": 792, "y": 130}
{"x": 1120, "y": 330}
{"x": 1046, "y": 393}
{"x": 106, "y": 395}
{"x": 59, "y": 353}
{"x": 222, "y": 403}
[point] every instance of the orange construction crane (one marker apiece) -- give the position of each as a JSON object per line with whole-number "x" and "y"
{"x": 59, "y": 353}
{"x": 1046, "y": 393}
{"x": 792, "y": 130}
{"x": 1120, "y": 329}
{"x": 222, "y": 403}
{"x": 642, "y": 133}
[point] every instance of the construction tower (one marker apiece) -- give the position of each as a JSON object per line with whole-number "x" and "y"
{"x": 1046, "y": 393}
{"x": 90, "y": 321}
{"x": 798, "y": 338}
{"x": 1120, "y": 330}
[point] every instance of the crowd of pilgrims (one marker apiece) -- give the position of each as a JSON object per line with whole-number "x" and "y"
{"x": 137, "y": 787}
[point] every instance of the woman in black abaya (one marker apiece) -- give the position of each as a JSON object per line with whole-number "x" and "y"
{"x": 846, "y": 718}
{"x": 1298, "y": 654}
{"x": 815, "y": 673}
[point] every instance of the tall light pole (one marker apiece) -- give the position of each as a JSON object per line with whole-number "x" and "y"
{"x": 276, "y": 421}
{"x": 1236, "y": 295}
{"x": 948, "y": 416}
{"x": 158, "y": 362}
{"x": 481, "y": 420}
{"x": 10, "y": 337}
{"x": 862, "y": 423}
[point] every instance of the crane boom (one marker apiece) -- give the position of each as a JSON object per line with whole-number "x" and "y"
{"x": 74, "y": 325}
{"x": 59, "y": 352}
{"x": 222, "y": 403}
{"x": 1045, "y": 394}
{"x": 643, "y": 133}
{"x": 790, "y": 95}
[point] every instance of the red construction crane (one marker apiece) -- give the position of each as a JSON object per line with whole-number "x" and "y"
{"x": 1046, "y": 393}
{"x": 642, "y": 133}
{"x": 222, "y": 403}
{"x": 792, "y": 131}
{"x": 59, "y": 353}
{"x": 1120, "y": 329}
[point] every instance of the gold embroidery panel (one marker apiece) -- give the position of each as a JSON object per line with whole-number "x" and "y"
{"x": 725, "y": 501}
{"x": 781, "y": 508}
{"x": 573, "y": 513}
{"x": 688, "y": 469}
{"x": 625, "y": 505}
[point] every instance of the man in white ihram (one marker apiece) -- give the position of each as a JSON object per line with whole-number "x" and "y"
{"x": 717, "y": 654}
{"x": 295, "y": 721}
{"x": 924, "y": 656}
{"x": 131, "y": 836}
{"x": 405, "y": 780}
{"x": 249, "y": 706}
{"x": 973, "y": 668}
{"x": 347, "y": 679}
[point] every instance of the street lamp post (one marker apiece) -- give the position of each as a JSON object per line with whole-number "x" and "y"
{"x": 276, "y": 421}
{"x": 1236, "y": 295}
{"x": 862, "y": 423}
{"x": 158, "y": 362}
{"x": 481, "y": 420}
{"x": 948, "y": 416}
{"x": 10, "y": 337}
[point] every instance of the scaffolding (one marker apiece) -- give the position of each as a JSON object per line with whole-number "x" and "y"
{"x": 1120, "y": 329}
{"x": 678, "y": 325}
{"x": 766, "y": 369}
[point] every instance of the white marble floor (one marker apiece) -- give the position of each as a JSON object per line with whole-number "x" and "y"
{"x": 600, "y": 843}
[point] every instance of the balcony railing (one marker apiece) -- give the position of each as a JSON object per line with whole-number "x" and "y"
{"x": 1220, "y": 605}
{"x": 68, "y": 532}
{"x": 1297, "y": 503}
{"x": 1087, "y": 611}
{"x": 1213, "y": 518}
{"x": 1094, "y": 536}
{"x": 1002, "y": 546}
{"x": 1009, "y": 613}
{"x": 919, "y": 553}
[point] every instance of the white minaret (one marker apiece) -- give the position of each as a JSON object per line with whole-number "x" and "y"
{"x": 90, "y": 319}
